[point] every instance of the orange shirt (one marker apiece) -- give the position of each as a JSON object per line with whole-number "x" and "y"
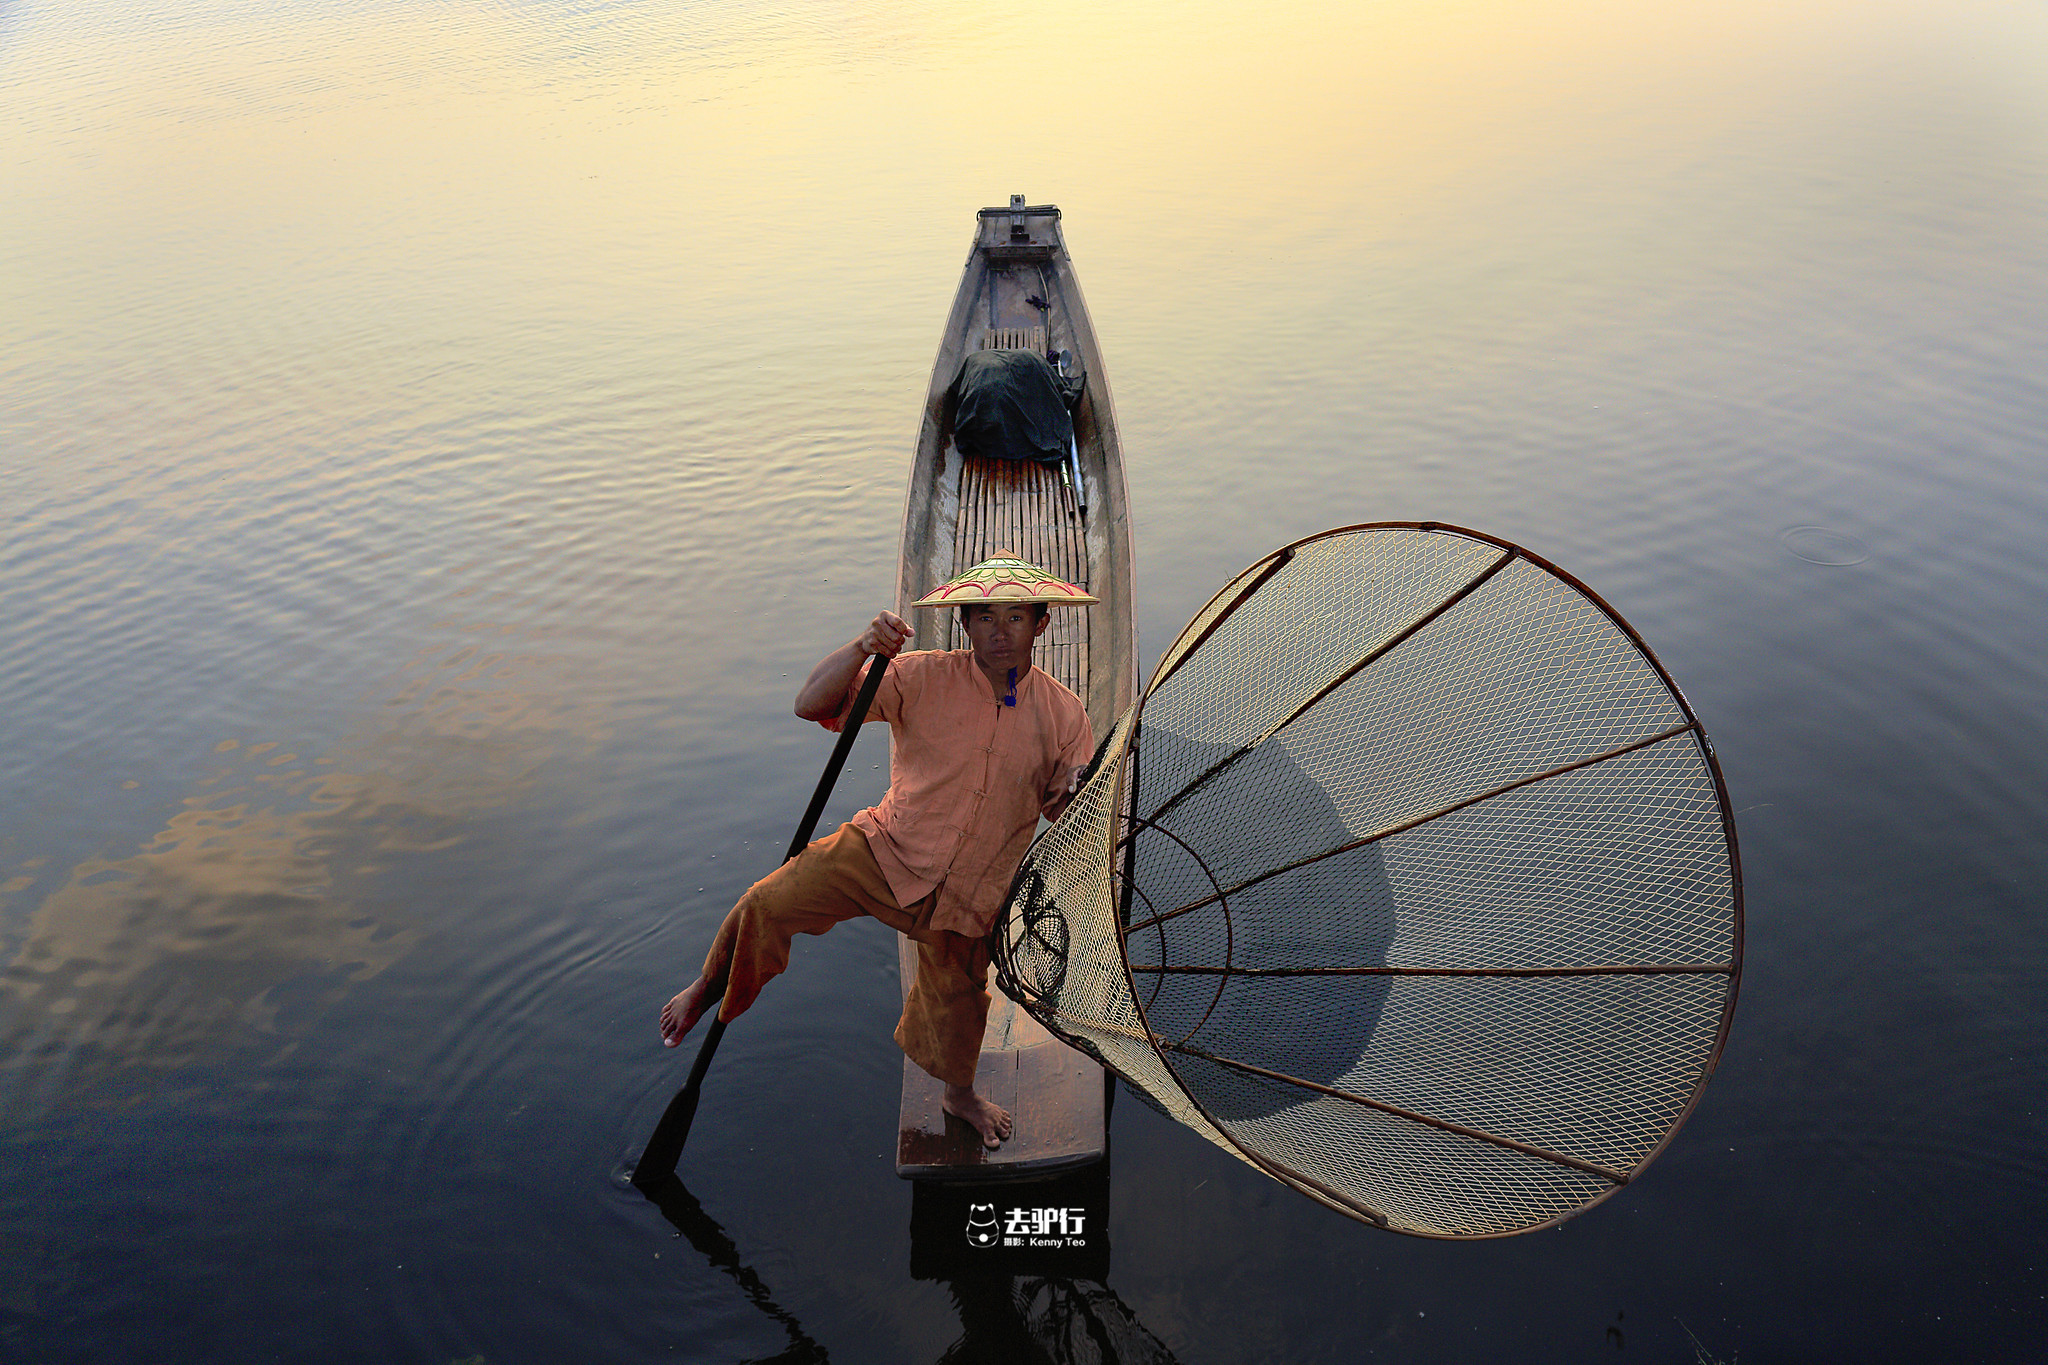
{"x": 966, "y": 777}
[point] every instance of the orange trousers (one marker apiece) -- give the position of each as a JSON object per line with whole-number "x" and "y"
{"x": 834, "y": 879}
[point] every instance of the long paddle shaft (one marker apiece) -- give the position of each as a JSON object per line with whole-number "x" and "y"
{"x": 665, "y": 1148}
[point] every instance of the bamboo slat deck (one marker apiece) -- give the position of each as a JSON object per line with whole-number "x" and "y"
{"x": 1026, "y": 509}
{"x": 1019, "y": 292}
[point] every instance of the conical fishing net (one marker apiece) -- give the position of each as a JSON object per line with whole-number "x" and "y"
{"x": 1410, "y": 880}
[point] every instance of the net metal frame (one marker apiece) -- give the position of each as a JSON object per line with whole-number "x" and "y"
{"x": 1481, "y": 791}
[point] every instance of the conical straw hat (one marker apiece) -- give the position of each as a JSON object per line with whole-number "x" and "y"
{"x": 1004, "y": 578}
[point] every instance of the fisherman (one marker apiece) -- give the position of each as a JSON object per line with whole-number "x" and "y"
{"x": 983, "y": 745}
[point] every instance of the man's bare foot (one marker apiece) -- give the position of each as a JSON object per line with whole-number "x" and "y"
{"x": 681, "y": 1014}
{"x": 991, "y": 1120}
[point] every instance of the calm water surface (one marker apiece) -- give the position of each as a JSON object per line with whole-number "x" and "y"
{"x": 435, "y": 436}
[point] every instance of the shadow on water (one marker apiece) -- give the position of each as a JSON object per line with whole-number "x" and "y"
{"x": 1340, "y": 911}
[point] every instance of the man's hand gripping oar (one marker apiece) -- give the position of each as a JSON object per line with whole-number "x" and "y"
{"x": 888, "y": 634}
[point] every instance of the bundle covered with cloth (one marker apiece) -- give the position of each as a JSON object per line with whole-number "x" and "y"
{"x": 1012, "y": 405}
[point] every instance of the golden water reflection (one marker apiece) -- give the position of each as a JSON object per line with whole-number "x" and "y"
{"x": 274, "y": 888}
{"x": 154, "y": 959}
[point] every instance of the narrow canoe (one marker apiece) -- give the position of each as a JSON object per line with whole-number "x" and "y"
{"x": 1019, "y": 292}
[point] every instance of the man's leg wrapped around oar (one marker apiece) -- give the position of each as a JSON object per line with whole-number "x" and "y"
{"x": 833, "y": 880}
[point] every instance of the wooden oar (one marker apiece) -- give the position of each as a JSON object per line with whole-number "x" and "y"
{"x": 665, "y": 1148}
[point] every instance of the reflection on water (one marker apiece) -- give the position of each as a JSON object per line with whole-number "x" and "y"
{"x": 1045, "y": 1319}
{"x": 431, "y": 437}
{"x": 1064, "y": 1322}
{"x": 715, "y": 1245}
{"x": 260, "y": 901}
{"x": 227, "y": 919}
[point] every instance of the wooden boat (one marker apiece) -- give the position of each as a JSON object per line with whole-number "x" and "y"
{"x": 1019, "y": 292}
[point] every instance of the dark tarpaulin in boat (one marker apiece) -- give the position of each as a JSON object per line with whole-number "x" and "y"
{"x": 1012, "y": 405}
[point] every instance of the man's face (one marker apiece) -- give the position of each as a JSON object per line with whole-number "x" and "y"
{"x": 1002, "y": 632}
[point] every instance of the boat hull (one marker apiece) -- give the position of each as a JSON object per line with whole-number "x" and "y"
{"x": 1019, "y": 291}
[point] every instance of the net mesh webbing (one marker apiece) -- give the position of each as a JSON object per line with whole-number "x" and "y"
{"x": 1409, "y": 880}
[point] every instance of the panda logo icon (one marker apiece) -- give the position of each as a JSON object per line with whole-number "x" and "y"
{"x": 981, "y": 1225}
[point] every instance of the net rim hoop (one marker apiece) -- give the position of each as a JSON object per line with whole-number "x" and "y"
{"x": 1229, "y": 932}
{"x": 1243, "y": 584}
